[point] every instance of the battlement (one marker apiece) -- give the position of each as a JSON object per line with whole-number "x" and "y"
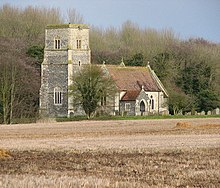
{"x": 61, "y": 26}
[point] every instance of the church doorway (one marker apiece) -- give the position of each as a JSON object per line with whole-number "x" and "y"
{"x": 142, "y": 107}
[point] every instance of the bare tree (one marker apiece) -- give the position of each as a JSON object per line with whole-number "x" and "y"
{"x": 4, "y": 91}
{"x": 18, "y": 91}
{"x": 28, "y": 23}
{"x": 74, "y": 17}
{"x": 90, "y": 87}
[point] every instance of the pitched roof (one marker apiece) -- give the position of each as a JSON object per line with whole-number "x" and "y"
{"x": 130, "y": 95}
{"x": 132, "y": 79}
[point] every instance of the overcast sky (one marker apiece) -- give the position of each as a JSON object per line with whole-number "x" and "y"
{"x": 187, "y": 18}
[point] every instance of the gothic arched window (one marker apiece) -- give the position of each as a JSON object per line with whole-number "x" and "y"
{"x": 151, "y": 102}
{"x": 57, "y": 96}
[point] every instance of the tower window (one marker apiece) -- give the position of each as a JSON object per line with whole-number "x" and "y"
{"x": 57, "y": 44}
{"x": 78, "y": 44}
{"x": 79, "y": 63}
{"x": 57, "y": 96}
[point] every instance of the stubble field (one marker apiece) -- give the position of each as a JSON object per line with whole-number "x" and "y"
{"x": 134, "y": 153}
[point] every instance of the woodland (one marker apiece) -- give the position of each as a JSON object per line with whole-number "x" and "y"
{"x": 189, "y": 68}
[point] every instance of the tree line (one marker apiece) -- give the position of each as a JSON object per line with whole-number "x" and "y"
{"x": 190, "y": 69}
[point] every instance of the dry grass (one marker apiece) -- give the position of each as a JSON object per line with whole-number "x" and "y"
{"x": 183, "y": 125}
{"x": 187, "y": 125}
{"x": 107, "y": 128}
{"x": 114, "y": 168}
{"x": 56, "y": 181}
{"x": 155, "y": 153}
{"x": 4, "y": 153}
{"x": 209, "y": 126}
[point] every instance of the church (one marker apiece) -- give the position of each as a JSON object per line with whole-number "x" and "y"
{"x": 139, "y": 90}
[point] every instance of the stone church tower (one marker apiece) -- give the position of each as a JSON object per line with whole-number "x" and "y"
{"x": 66, "y": 50}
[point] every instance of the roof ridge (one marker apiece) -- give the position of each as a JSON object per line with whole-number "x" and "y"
{"x": 157, "y": 80}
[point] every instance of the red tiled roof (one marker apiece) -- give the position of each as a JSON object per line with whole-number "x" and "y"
{"x": 132, "y": 79}
{"x": 130, "y": 95}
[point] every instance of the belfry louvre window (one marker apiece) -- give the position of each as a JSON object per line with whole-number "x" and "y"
{"x": 78, "y": 44}
{"x": 57, "y": 96}
{"x": 57, "y": 44}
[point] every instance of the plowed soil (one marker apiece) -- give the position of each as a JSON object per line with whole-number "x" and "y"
{"x": 140, "y": 153}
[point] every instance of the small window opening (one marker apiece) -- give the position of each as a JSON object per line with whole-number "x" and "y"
{"x": 78, "y": 44}
{"x": 79, "y": 63}
{"x": 152, "y": 102}
{"x": 57, "y": 96}
{"x": 103, "y": 101}
{"x": 127, "y": 107}
{"x": 57, "y": 44}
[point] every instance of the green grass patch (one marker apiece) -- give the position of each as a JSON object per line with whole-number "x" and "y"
{"x": 80, "y": 118}
{"x": 74, "y": 118}
{"x": 23, "y": 120}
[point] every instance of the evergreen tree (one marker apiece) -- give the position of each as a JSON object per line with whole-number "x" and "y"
{"x": 136, "y": 60}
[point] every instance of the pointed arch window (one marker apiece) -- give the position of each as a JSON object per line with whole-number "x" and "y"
{"x": 57, "y": 96}
{"x": 151, "y": 102}
{"x": 103, "y": 99}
